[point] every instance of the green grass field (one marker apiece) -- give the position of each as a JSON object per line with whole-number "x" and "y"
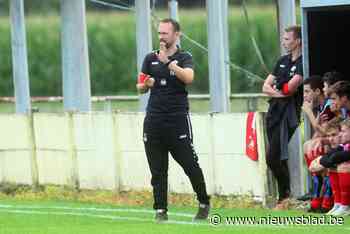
{"x": 39, "y": 217}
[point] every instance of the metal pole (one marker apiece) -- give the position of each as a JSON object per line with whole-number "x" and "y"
{"x": 219, "y": 96}
{"x": 143, "y": 39}
{"x": 174, "y": 14}
{"x": 305, "y": 41}
{"x": 19, "y": 57}
{"x": 225, "y": 27}
{"x": 75, "y": 60}
{"x": 173, "y": 9}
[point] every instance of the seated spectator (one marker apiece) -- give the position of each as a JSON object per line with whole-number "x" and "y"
{"x": 322, "y": 199}
{"x": 313, "y": 99}
{"x": 339, "y": 160}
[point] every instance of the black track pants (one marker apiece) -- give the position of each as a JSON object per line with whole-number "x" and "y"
{"x": 278, "y": 167}
{"x": 171, "y": 133}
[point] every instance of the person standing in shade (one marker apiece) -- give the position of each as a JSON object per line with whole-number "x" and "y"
{"x": 283, "y": 116}
{"x": 167, "y": 126}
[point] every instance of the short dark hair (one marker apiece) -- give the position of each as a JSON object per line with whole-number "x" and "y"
{"x": 174, "y": 23}
{"x": 341, "y": 88}
{"x": 332, "y": 77}
{"x": 296, "y": 29}
{"x": 315, "y": 82}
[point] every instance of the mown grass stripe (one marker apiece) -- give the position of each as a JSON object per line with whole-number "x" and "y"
{"x": 15, "y": 209}
{"x": 112, "y": 217}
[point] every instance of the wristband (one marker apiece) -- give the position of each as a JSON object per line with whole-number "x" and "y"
{"x": 285, "y": 89}
{"x": 142, "y": 77}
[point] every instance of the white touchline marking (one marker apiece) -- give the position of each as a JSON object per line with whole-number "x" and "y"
{"x": 95, "y": 209}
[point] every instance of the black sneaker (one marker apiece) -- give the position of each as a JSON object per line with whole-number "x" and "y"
{"x": 305, "y": 197}
{"x": 202, "y": 213}
{"x": 161, "y": 215}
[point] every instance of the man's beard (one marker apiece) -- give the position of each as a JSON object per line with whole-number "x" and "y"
{"x": 167, "y": 45}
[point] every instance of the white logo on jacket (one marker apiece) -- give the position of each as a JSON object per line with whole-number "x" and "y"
{"x": 183, "y": 136}
{"x": 163, "y": 82}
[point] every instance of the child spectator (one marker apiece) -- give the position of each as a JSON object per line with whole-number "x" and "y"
{"x": 322, "y": 200}
{"x": 340, "y": 177}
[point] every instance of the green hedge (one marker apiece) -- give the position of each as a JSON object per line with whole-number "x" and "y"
{"x": 112, "y": 51}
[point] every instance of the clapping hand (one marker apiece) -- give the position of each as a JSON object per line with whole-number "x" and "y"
{"x": 162, "y": 55}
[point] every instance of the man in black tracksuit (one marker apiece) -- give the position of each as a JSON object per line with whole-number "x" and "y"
{"x": 282, "y": 119}
{"x": 167, "y": 126}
